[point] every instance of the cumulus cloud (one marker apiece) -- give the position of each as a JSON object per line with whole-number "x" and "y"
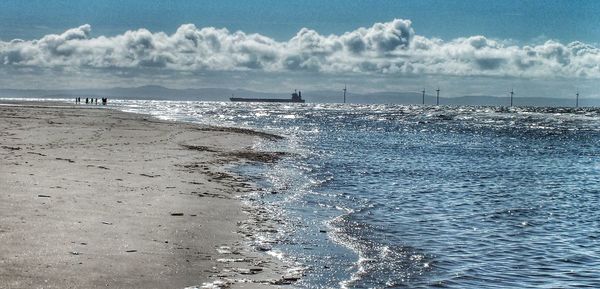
{"x": 385, "y": 48}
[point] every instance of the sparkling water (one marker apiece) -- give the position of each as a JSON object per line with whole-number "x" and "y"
{"x": 378, "y": 196}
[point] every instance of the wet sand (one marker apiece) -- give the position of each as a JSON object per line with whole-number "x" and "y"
{"x": 97, "y": 198}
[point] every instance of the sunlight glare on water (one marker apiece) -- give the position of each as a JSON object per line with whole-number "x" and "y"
{"x": 382, "y": 196}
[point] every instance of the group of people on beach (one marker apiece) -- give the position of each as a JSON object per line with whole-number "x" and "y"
{"x": 92, "y": 100}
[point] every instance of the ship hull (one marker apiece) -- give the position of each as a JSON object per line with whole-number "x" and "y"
{"x": 239, "y": 99}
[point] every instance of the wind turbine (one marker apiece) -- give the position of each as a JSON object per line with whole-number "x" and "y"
{"x": 344, "y": 92}
{"x": 437, "y": 99}
{"x": 423, "y": 95}
{"x": 512, "y": 92}
{"x": 577, "y": 99}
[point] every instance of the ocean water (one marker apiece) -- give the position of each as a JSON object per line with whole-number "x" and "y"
{"x": 388, "y": 196}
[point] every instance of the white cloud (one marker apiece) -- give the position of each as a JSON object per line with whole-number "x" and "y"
{"x": 390, "y": 48}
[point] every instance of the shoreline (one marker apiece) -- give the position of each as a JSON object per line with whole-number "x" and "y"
{"x": 96, "y": 198}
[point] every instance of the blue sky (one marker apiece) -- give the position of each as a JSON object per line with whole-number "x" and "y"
{"x": 507, "y": 19}
{"x": 470, "y": 47}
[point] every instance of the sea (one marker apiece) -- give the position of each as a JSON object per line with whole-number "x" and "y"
{"x": 395, "y": 196}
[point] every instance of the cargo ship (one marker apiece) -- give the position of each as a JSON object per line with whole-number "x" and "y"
{"x": 296, "y": 98}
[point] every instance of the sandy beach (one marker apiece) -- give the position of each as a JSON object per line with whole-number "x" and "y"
{"x": 97, "y": 198}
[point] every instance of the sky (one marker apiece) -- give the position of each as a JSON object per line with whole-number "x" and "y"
{"x": 537, "y": 48}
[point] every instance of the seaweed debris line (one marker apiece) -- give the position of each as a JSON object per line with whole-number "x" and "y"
{"x": 296, "y": 97}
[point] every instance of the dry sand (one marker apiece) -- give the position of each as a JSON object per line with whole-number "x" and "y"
{"x": 97, "y": 198}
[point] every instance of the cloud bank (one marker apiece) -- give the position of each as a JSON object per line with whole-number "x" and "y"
{"x": 390, "y": 48}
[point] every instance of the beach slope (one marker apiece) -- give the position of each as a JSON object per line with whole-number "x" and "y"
{"x": 97, "y": 198}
